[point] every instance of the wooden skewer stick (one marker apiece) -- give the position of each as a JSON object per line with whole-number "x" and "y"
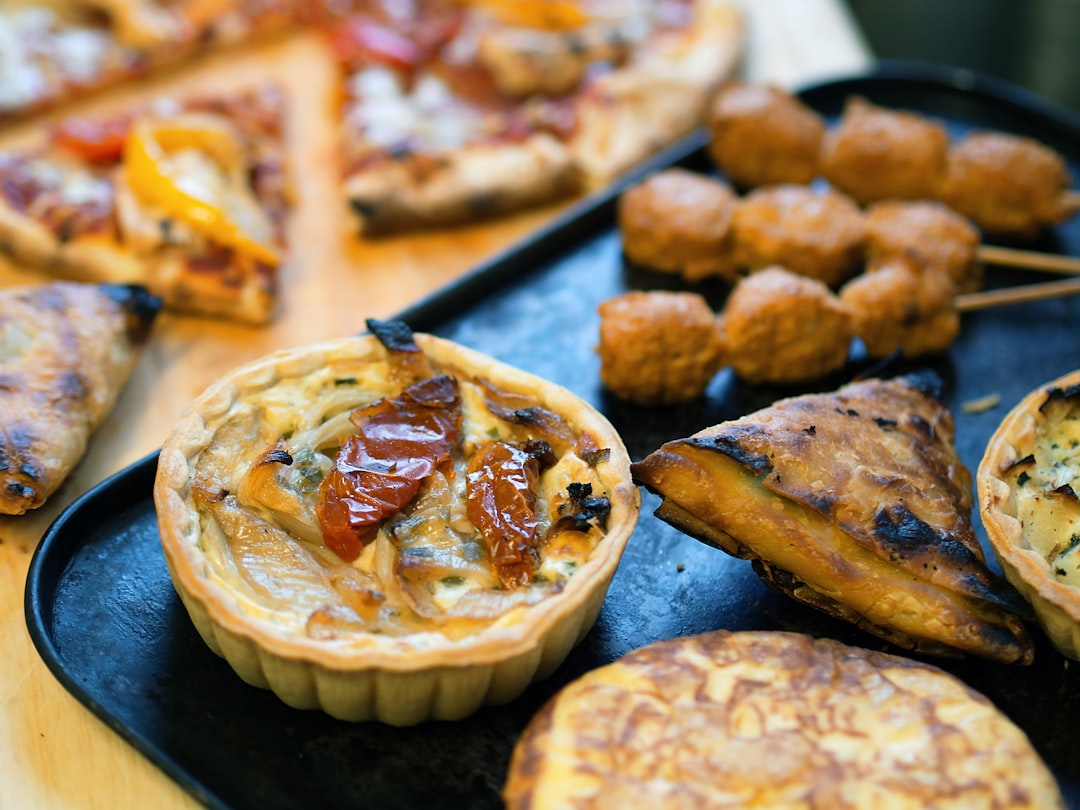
{"x": 1028, "y": 259}
{"x": 1017, "y": 295}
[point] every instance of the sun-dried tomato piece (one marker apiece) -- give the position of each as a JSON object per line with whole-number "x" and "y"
{"x": 501, "y": 488}
{"x": 380, "y": 469}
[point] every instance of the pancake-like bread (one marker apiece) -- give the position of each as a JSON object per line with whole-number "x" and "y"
{"x": 773, "y": 720}
{"x": 854, "y": 502}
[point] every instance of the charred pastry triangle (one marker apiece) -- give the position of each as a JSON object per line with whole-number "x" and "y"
{"x": 867, "y": 519}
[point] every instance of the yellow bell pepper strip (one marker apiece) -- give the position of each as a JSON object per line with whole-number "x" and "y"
{"x": 193, "y": 167}
{"x": 552, "y": 15}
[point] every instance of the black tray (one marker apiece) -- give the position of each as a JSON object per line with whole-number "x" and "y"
{"x": 104, "y": 617}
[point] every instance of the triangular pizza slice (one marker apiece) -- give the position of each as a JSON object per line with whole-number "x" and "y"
{"x": 66, "y": 351}
{"x": 188, "y": 197}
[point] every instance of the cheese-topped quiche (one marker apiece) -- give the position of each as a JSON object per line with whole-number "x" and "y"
{"x": 1027, "y": 486}
{"x": 854, "y": 502}
{"x": 773, "y": 720}
{"x": 393, "y": 527}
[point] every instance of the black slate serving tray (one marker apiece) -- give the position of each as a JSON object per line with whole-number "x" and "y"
{"x": 104, "y": 617}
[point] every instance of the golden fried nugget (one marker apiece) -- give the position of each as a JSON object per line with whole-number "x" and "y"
{"x": 901, "y": 304}
{"x": 679, "y": 222}
{"x": 1009, "y": 185}
{"x": 763, "y": 135}
{"x": 773, "y": 720}
{"x": 785, "y": 328}
{"x": 813, "y": 232}
{"x": 878, "y": 154}
{"x": 944, "y": 239}
{"x": 659, "y": 347}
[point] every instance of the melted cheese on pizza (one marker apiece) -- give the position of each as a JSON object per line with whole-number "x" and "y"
{"x": 1044, "y": 487}
{"x": 428, "y": 569}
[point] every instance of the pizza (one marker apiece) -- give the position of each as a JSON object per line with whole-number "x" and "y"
{"x": 187, "y": 197}
{"x": 68, "y": 351}
{"x": 456, "y": 111}
{"x": 55, "y": 50}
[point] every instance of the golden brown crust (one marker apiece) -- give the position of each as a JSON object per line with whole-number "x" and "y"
{"x": 1028, "y": 506}
{"x": 878, "y": 154}
{"x": 813, "y": 232}
{"x": 900, "y": 304}
{"x": 679, "y": 222}
{"x": 67, "y": 351}
{"x": 762, "y": 136}
{"x": 396, "y": 678}
{"x": 785, "y": 328}
{"x": 765, "y": 720}
{"x": 858, "y": 496}
{"x": 659, "y": 347}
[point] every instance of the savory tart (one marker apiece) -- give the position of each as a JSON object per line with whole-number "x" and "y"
{"x": 767, "y": 720}
{"x": 395, "y": 527}
{"x": 1027, "y": 485}
{"x": 853, "y": 502}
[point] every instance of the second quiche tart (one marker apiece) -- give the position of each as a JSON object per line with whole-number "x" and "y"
{"x": 395, "y": 527}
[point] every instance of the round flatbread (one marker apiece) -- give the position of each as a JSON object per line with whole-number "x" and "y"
{"x": 776, "y": 720}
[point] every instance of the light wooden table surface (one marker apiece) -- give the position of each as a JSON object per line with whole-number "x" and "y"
{"x": 54, "y": 753}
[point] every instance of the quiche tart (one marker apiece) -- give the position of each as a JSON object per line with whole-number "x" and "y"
{"x": 392, "y": 527}
{"x": 773, "y": 720}
{"x": 1027, "y": 486}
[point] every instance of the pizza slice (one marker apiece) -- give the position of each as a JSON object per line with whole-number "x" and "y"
{"x": 853, "y": 502}
{"x": 188, "y": 198}
{"x": 457, "y": 111}
{"x": 55, "y": 50}
{"x": 66, "y": 351}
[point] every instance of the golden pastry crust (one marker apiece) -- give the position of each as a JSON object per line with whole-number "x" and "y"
{"x": 267, "y": 594}
{"x": 68, "y": 350}
{"x": 1027, "y": 500}
{"x": 813, "y": 232}
{"x": 855, "y": 503}
{"x": 766, "y": 720}
{"x": 659, "y": 347}
{"x": 679, "y": 222}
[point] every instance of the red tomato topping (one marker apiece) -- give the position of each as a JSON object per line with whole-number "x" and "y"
{"x": 501, "y": 491}
{"x": 97, "y": 140}
{"x": 380, "y": 469}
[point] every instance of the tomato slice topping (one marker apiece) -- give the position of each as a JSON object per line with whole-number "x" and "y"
{"x": 380, "y": 469}
{"x": 501, "y": 502}
{"x": 97, "y": 140}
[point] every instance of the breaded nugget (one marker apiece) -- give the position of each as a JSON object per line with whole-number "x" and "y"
{"x": 900, "y": 303}
{"x": 763, "y": 135}
{"x": 679, "y": 222}
{"x": 659, "y": 347}
{"x": 878, "y": 154}
{"x": 944, "y": 239}
{"x": 1010, "y": 185}
{"x": 754, "y": 720}
{"x": 785, "y": 328}
{"x": 813, "y": 232}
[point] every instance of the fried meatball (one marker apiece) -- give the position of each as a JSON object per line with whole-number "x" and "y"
{"x": 679, "y": 222}
{"x": 762, "y": 135}
{"x": 1010, "y": 185}
{"x": 785, "y": 328}
{"x": 944, "y": 239}
{"x": 901, "y": 303}
{"x": 813, "y": 232}
{"x": 657, "y": 347}
{"x": 877, "y": 154}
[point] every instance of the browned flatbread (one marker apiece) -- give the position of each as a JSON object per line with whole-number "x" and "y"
{"x": 67, "y": 351}
{"x": 854, "y": 502}
{"x": 773, "y": 720}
